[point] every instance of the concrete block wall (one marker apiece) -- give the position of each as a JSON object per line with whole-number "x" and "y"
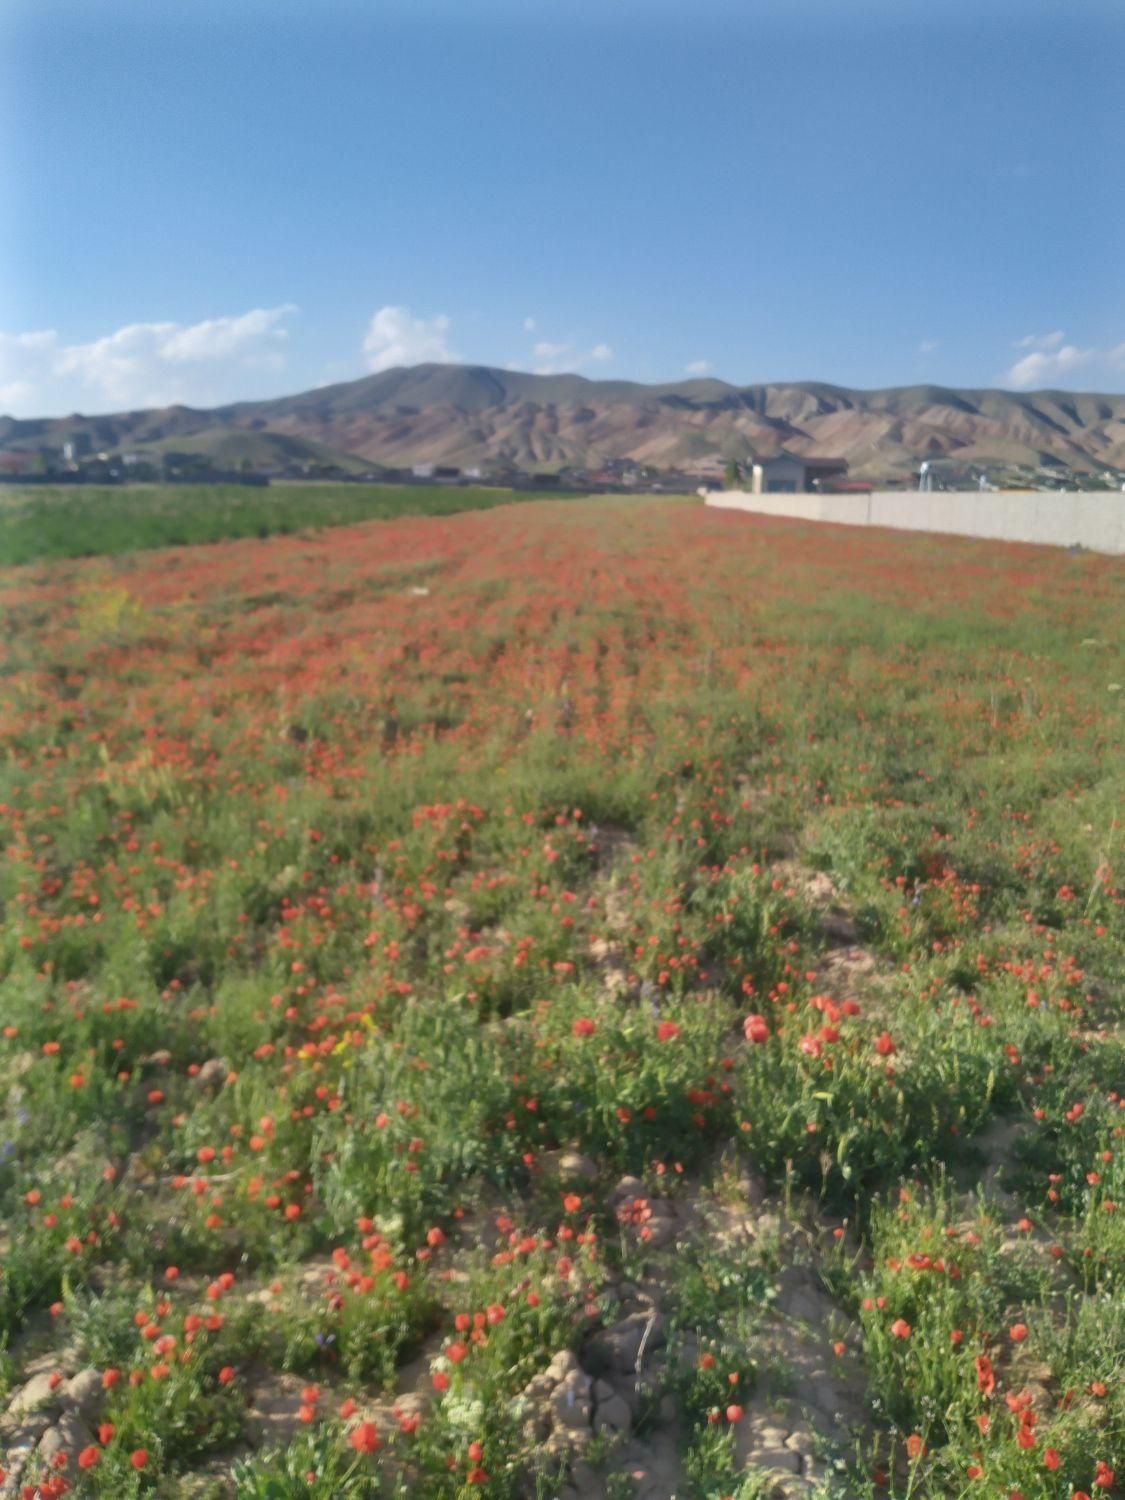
{"x": 1089, "y": 518}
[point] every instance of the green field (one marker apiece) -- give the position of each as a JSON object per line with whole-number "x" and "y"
{"x": 40, "y": 523}
{"x": 616, "y": 1000}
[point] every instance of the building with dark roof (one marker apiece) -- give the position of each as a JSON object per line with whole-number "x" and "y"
{"x": 791, "y": 474}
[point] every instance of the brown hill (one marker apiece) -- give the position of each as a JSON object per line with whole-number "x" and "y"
{"x": 466, "y": 414}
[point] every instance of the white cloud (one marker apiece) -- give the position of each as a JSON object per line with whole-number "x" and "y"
{"x": 1040, "y": 340}
{"x": 698, "y": 367}
{"x": 529, "y": 325}
{"x": 544, "y": 349}
{"x": 396, "y": 337}
{"x": 143, "y": 364}
{"x": 17, "y": 398}
{"x": 557, "y": 358}
{"x": 927, "y": 346}
{"x": 1046, "y": 367}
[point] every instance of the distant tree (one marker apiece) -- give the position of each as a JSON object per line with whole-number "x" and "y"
{"x": 732, "y": 479}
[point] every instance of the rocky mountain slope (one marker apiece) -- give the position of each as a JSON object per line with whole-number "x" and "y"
{"x": 466, "y": 414}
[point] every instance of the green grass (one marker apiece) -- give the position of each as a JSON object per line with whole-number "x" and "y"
{"x": 335, "y": 913}
{"x": 40, "y": 524}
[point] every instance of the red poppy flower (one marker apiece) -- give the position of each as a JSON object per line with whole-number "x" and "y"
{"x": 364, "y": 1438}
{"x": 755, "y": 1029}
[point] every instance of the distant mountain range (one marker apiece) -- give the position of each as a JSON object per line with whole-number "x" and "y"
{"x": 471, "y": 415}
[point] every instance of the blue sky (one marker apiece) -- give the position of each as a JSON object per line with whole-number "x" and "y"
{"x": 205, "y": 201}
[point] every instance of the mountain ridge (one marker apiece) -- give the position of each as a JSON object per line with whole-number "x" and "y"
{"x": 478, "y": 414}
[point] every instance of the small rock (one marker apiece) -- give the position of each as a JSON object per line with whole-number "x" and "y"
{"x": 19, "y": 1444}
{"x": 565, "y": 1442}
{"x": 273, "y": 1416}
{"x": 413, "y": 1404}
{"x": 316, "y": 1276}
{"x": 51, "y": 1359}
{"x": 614, "y": 1414}
{"x": 1041, "y": 1400}
{"x": 689, "y": 1348}
{"x": 211, "y": 1076}
{"x": 574, "y": 1167}
{"x": 829, "y": 1397}
{"x": 211, "y": 1483}
{"x": 69, "y": 1435}
{"x": 661, "y": 1227}
{"x": 618, "y": 1348}
{"x": 585, "y": 1478}
{"x": 628, "y": 1188}
{"x": 83, "y": 1393}
{"x": 570, "y": 1403}
{"x": 776, "y": 1458}
{"x": 603, "y": 1391}
{"x": 38, "y": 1392}
{"x": 753, "y": 1189}
{"x": 538, "y": 1388}
{"x": 792, "y": 1487}
{"x": 563, "y": 1364}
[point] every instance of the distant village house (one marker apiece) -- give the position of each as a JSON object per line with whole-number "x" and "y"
{"x": 790, "y": 475}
